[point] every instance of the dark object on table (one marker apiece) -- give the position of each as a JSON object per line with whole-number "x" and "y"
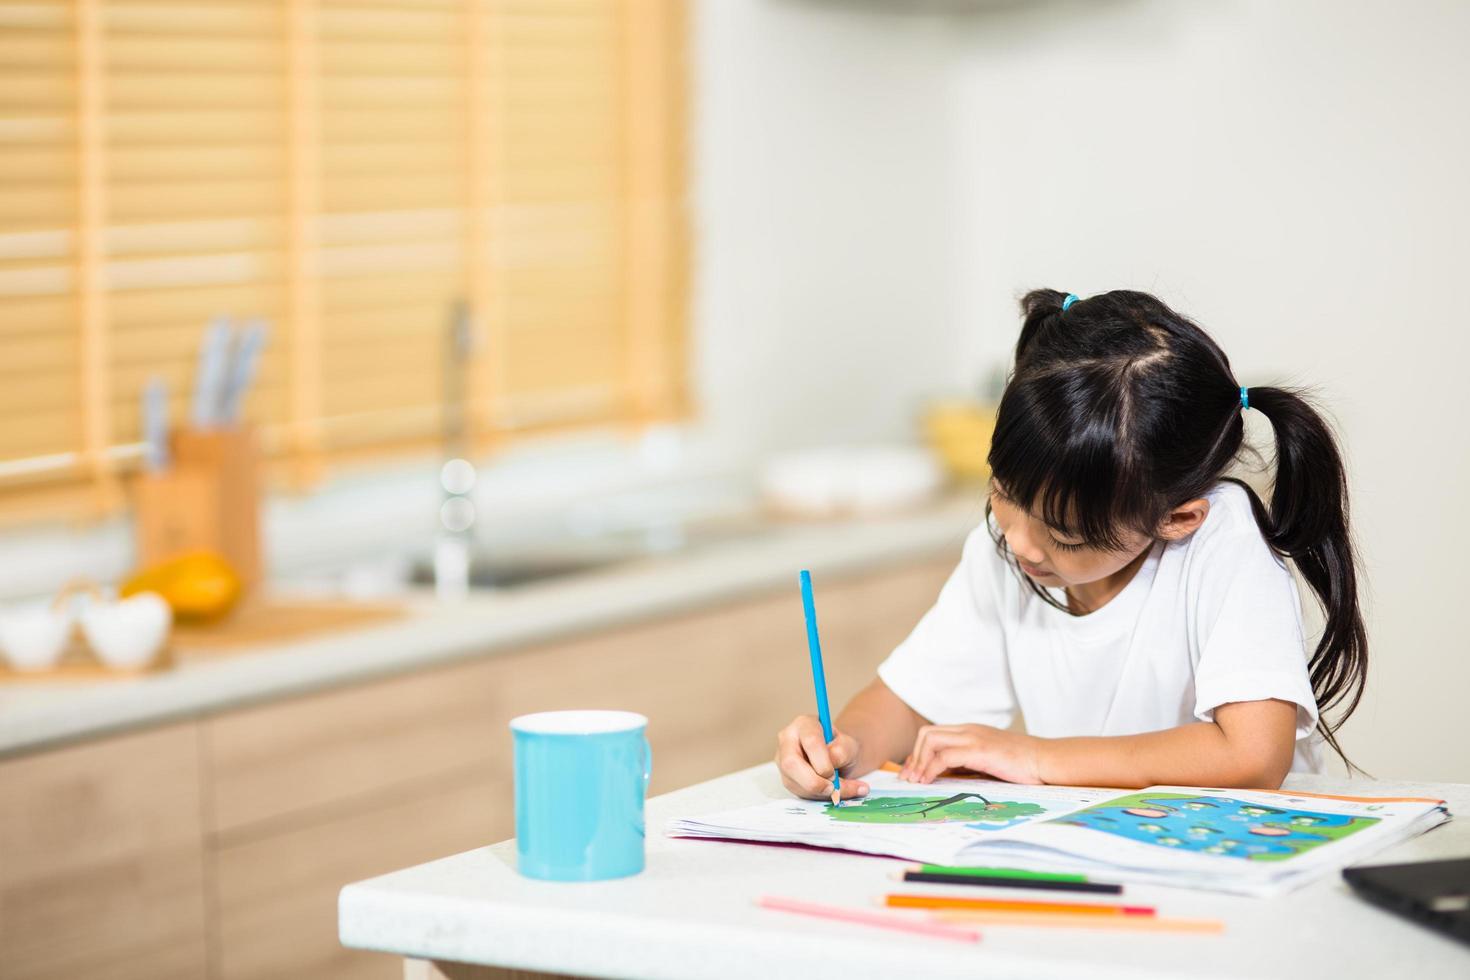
{"x": 1433, "y": 893}
{"x": 995, "y": 881}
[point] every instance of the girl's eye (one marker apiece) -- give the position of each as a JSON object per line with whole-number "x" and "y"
{"x": 1064, "y": 546}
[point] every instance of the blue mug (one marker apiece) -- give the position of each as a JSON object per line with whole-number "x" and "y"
{"x": 581, "y": 777}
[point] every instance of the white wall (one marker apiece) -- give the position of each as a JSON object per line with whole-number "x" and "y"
{"x": 878, "y": 182}
{"x": 1293, "y": 175}
{"x": 824, "y": 180}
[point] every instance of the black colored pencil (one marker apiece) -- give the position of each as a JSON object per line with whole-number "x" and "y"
{"x": 988, "y": 881}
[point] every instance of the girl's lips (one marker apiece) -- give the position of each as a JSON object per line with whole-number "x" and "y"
{"x": 1032, "y": 570}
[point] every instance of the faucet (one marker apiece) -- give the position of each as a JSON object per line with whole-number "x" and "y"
{"x": 456, "y": 528}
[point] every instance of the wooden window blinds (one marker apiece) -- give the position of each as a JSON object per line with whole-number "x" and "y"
{"x": 348, "y": 171}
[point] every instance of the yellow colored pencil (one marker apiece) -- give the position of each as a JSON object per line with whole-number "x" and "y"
{"x": 1053, "y": 920}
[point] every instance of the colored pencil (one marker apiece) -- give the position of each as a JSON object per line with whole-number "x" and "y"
{"x": 945, "y": 869}
{"x": 1010, "y": 905}
{"x": 819, "y": 676}
{"x": 857, "y": 916}
{"x": 1122, "y": 923}
{"x": 996, "y": 881}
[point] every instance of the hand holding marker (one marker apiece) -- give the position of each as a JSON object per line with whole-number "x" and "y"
{"x": 819, "y": 677}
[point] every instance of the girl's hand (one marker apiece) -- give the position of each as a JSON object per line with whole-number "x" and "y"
{"x": 807, "y": 761}
{"x": 1004, "y": 755}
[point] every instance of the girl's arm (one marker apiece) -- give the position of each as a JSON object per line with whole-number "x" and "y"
{"x": 883, "y": 726}
{"x": 1249, "y": 744}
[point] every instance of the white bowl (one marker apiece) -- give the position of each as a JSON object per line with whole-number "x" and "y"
{"x": 127, "y": 635}
{"x": 34, "y": 637}
{"x": 855, "y": 481}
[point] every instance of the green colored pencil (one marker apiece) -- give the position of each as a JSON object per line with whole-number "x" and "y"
{"x": 942, "y": 869}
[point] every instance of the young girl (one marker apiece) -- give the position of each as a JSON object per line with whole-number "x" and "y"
{"x": 1129, "y": 599}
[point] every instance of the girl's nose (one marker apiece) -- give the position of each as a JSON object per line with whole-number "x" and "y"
{"x": 1020, "y": 545}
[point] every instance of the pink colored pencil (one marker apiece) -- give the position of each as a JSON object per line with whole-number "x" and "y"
{"x": 879, "y": 919}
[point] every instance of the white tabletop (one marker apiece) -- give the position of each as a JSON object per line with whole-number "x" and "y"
{"x": 690, "y": 914}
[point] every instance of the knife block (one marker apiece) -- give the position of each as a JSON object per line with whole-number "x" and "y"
{"x": 208, "y": 500}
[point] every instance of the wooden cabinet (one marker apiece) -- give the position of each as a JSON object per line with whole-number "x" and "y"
{"x": 102, "y": 860}
{"x": 310, "y": 793}
{"x": 110, "y": 853}
{"x": 276, "y": 897}
{"x": 690, "y": 655}
{"x": 307, "y": 758}
{"x": 718, "y": 684}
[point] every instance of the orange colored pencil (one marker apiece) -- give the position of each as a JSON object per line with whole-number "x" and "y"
{"x": 1010, "y": 905}
{"x": 1122, "y": 923}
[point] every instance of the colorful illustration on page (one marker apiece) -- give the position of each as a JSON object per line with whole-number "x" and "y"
{"x": 972, "y": 809}
{"x": 1217, "y": 825}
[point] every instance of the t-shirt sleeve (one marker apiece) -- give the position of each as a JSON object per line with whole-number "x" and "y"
{"x": 952, "y": 668}
{"x": 1248, "y": 631}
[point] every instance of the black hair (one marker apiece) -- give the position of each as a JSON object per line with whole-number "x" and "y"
{"x": 1119, "y": 409}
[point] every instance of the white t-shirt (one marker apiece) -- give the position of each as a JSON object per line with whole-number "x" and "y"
{"x": 1205, "y": 621}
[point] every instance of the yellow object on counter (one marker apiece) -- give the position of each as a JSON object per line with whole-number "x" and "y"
{"x": 199, "y": 587}
{"x": 960, "y": 431}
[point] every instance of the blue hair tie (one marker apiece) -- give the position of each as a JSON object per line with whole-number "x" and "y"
{"x": 1245, "y": 398}
{"x": 1071, "y": 298}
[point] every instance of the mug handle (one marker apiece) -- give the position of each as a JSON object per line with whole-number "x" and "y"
{"x": 647, "y": 764}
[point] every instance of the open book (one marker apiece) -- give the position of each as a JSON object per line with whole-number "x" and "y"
{"x": 1251, "y": 842}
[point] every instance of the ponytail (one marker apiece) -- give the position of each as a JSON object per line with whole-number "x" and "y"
{"x": 1308, "y": 523}
{"x": 1039, "y": 310}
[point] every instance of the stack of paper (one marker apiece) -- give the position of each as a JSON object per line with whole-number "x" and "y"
{"x": 1252, "y": 842}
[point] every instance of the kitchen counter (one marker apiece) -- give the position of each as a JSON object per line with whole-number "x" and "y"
{"x": 37, "y": 715}
{"x": 691, "y": 914}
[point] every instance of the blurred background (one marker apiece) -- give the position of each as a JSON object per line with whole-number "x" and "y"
{"x": 374, "y": 371}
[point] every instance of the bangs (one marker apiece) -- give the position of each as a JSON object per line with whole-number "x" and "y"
{"x": 1056, "y": 455}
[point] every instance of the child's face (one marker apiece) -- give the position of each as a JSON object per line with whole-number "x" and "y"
{"x": 1054, "y": 559}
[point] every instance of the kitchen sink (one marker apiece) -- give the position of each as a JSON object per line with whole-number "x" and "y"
{"x": 504, "y": 564}
{"x": 486, "y": 573}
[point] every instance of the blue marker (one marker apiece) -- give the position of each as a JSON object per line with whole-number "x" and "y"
{"x": 819, "y": 677}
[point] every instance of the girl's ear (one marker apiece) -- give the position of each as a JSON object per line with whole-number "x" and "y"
{"x": 1184, "y": 520}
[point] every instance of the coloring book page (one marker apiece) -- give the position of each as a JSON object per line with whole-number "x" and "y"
{"x": 1221, "y": 825}
{"x": 972, "y": 804}
{"x": 1252, "y": 842}
{"x": 933, "y": 822}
